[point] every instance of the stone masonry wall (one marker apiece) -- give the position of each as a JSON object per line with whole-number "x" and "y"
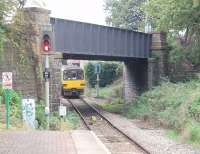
{"x": 40, "y": 20}
{"x": 160, "y": 52}
{"x": 135, "y": 78}
{"x": 55, "y": 80}
{"x": 27, "y": 77}
{"x": 153, "y": 72}
{"x": 158, "y": 62}
{"x": 23, "y": 68}
{"x": 140, "y": 75}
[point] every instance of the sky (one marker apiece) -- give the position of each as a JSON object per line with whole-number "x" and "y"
{"x": 90, "y": 11}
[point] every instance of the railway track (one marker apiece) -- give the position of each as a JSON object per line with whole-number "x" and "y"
{"x": 114, "y": 139}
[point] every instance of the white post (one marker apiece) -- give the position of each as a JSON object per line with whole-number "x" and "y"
{"x": 47, "y": 90}
{"x": 148, "y": 27}
{"x": 97, "y": 84}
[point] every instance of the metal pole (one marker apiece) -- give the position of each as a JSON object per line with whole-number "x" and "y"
{"x": 97, "y": 84}
{"x": 7, "y": 100}
{"x": 47, "y": 90}
{"x": 148, "y": 27}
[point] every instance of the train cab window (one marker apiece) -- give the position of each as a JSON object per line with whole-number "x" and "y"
{"x": 80, "y": 75}
{"x": 73, "y": 75}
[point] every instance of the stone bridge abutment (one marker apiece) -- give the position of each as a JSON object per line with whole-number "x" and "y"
{"x": 142, "y": 74}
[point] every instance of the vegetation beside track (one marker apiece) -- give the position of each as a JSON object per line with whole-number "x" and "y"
{"x": 175, "y": 106}
{"x": 110, "y": 91}
{"x": 110, "y": 71}
{"x": 15, "y": 112}
{"x": 113, "y": 94}
{"x": 71, "y": 120}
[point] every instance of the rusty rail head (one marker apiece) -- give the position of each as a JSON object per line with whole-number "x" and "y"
{"x": 76, "y": 109}
{"x": 127, "y": 136}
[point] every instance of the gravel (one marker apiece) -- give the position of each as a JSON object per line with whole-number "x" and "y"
{"x": 154, "y": 141}
{"x": 113, "y": 140}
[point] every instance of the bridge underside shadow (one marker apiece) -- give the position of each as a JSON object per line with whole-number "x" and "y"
{"x": 100, "y": 57}
{"x": 135, "y": 78}
{"x": 135, "y": 73}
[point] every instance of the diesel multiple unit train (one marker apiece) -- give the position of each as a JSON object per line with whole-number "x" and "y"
{"x": 72, "y": 79}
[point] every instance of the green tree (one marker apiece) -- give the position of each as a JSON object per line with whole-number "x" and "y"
{"x": 11, "y": 19}
{"x": 124, "y": 13}
{"x": 90, "y": 74}
{"x": 15, "y": 28}
{"x": 180, "y": 18}
{"x": 110, "y": 71}
{"x": 174, "y": 15}
{"x": 7, "y": 8}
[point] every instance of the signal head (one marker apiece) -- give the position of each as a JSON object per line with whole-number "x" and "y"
{"x": 46, "y": 43}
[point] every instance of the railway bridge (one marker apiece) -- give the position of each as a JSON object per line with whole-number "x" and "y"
{"x": 144, "y": 55}
{"x": 78, "y": 40}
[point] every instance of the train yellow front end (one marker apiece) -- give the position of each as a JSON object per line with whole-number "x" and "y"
{"x": 73, "y": 82}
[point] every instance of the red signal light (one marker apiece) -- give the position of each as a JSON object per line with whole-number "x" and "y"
{"x": 46, "y": 45}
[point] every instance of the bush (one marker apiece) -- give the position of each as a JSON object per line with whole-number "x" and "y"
{"x": 90, "y": 74}
{"x": 194, "y": 135}
{"x": 73, "y": 119}
{"x": 15, "y": 106}
{"x": 54, "y": 121}
{"x": 116, "y": 106}
{"x": 137, "y": 109}
{"x": 70, "y": 121}
{"x": 168, "y": 101}
{"x": 175, "y": 106}
{"x": 110, "y": 71}
{"x": 194, "y": 109}
{"x": 40, "y": 115}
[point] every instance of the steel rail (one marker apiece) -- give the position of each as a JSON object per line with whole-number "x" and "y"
{"x": 82, "y": 117}
{"x": 124, "y": 134}
{"x": 108, "y": 121}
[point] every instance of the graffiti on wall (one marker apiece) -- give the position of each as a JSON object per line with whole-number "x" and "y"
{"x": 28, "y": 112}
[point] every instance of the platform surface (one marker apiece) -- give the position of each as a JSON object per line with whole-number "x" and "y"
{"x": 50, "y": 142}
{"x": 86, "y": 142}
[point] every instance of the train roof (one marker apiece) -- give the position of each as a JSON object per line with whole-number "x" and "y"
{"x": 68, "y": 67}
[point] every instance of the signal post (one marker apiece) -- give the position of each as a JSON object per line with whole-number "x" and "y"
{"x": 46, "y": 48}
{"x": 97, "y": 71}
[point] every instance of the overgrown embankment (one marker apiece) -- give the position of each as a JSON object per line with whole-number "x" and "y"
{"x": 175, "y": 106}
{"x": 110, "y": 84}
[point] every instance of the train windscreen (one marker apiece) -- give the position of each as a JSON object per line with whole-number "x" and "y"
{"x": 73, "y": 74}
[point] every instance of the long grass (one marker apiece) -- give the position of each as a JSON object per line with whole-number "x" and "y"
{"x": 176, "y": 106}
{"x": 111, "y": 91}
